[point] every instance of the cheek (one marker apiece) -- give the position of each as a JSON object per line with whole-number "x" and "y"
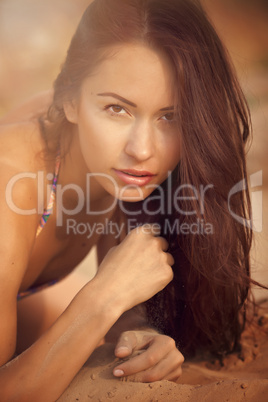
{"x": 93, "y": 137}
{"x": 176, "y": 158}
{"x": 99, "y": 133}
{"x": 172, "y": 153}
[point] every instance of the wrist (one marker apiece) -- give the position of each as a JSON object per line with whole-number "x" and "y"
{"x": 102, "y": 299}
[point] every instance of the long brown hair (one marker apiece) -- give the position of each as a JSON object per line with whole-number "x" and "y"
{"x": 204, "y": 306}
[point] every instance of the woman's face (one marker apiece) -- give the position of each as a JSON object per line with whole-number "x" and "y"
{"x": 125, "y": 123}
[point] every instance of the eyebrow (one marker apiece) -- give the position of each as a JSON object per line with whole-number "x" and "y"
{"x": 113, "y": 95}
{"x": 128, "y": 102}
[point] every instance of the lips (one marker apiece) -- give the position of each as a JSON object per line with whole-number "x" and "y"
{"x": 137, "y": 173}
{"x": 134, "y": 177}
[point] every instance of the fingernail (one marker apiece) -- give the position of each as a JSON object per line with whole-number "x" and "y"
{"x": 118, "y": 373}
{"x": 122, "y": 349}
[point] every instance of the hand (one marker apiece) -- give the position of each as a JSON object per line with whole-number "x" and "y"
{"x": 159, "y": 359}
{"x": 135, "y": 270}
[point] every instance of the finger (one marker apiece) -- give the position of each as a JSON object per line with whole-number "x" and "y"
{"x": 174, "y": 376}
{"x": 176, "y": 372}
{"x": 152, "y": 229}
{"x": 170, "y": 259}
{"x": 134, "y": 365}
{"x": 163, "y": 243}
{"x": 126, "y": 344}
{"x": 169, "y": 368}
{"x": 149, "y": 358}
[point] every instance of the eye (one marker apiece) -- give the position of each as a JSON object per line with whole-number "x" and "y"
{"x": 116, "y": 109}
{"x": 169, "y": 117}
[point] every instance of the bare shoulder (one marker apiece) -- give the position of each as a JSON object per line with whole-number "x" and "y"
{"x": 20, "y": 161}
{"x": 20, "y": 148}
{"x": 20, "y": 145}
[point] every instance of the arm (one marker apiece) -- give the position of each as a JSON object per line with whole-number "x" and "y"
{"x": 131, "y": 319}
{"x": 160, "y": 359}
{"x": 45, "y": 370}
{"x": 49, "y": 358}
{"x": 64, "y": 348}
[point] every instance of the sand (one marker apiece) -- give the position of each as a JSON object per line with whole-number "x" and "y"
{"x": 242, "y": 376}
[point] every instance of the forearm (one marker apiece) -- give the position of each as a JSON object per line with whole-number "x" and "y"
{"x": 134, "y": 319}
{"x": 45, "y": 370}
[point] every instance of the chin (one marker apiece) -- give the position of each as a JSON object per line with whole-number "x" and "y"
{"x": 133, "y": 195}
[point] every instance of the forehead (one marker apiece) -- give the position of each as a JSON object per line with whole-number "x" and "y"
{"x": 135, "y": 71}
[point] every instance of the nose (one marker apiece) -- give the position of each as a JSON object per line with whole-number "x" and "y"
{"x": 140, "y": 144}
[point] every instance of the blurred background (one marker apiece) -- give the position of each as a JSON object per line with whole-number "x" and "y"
{"x": 34, "y": 36}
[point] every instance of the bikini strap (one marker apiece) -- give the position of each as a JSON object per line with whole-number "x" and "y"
{"x": 48, "y": 211}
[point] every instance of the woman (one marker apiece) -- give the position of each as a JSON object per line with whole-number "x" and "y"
{"x": 147, "y": 127}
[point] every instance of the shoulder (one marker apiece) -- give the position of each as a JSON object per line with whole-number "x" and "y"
{"x": 18, "y": 199}
{"x": 20, "y": 146}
